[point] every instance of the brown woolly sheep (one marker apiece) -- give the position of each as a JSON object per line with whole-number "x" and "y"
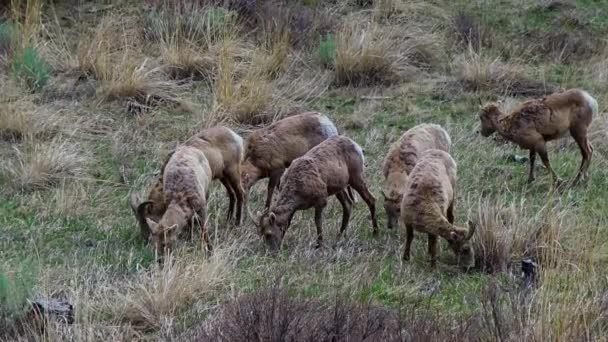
{"x": 270, "y": 150}
{"x": 326, "y": 170}
{"x": 401, "y": 159}
{"x": 428, "y": 207}
{"x": 215, "y": 153}
{"x": 537, "y": 121}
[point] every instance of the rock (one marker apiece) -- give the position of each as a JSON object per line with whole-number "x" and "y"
{"x": 43, "y": 309}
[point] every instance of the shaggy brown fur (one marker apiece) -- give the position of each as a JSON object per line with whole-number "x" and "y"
{"x": 326, "y": 170}
{"x": 270, "y": 150}
{"x": 401, "y": 159}
{"x": 533, "y": 123}
{"x": 218, "y": 152}
{"x": 428, "y": 207}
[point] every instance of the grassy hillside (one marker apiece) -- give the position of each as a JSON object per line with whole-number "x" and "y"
{"x": 94, "y": 94}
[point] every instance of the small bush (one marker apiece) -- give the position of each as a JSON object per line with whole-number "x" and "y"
{"x": 326, "y": 52}
{"x": 29, "y": 67}
{"x": 470, "y": 33}
{"x": 275, "y": 316}
{"x": 9, "y": 34}
{"x": 15, "y": 290}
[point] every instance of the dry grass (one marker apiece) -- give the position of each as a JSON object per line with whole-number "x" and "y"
{"x": 478, "y": 71}
{"x": 366, "y": 55}
{"x": 22, "y": 118}
{"x": 155, "y": 297}
{"x": 40, "y": 164}
{"x": 507, "y": 233}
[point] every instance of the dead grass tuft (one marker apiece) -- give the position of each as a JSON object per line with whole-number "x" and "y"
{"x": 469, "y": 31}
{"x": 366, "y": 56}
{"x": 155, "y": 297}
{"x": 38, "y": 165}
{"x": 506, "y": 234}
{"x": 22, "y": 118}
{"x": 480, "y": 72}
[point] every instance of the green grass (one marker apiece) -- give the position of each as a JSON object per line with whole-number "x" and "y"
{"x": 30, "y": 67}
{"x": 83, "y": 241}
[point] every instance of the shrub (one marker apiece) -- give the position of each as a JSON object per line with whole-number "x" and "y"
{"x": 29, "y": 67}
{"x": 273, "y": 315}
{"x": 326, "y": 52}
{"x": 8, "y": 37}
{"x": 15, "y": 290}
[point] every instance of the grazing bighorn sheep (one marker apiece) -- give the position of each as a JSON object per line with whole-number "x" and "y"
{"x": 326, "y": 170}
{"x": 537, "y": 121}
{"x": 401, "y": 159}
{"x": 214, "y": 153}
{"x": 270, "y": 150}
{"x": 428, "y": 207}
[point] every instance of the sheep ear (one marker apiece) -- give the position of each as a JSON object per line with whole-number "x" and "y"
{"x": 153, "y": 225}
{"x": 272, "y": 218}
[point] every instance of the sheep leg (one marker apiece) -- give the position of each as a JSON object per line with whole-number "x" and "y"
{"x": 541, "y": 149}
{"x": 346, "y": 210}
{"x": 359, "y": 185}
{"x": 319, "y": 223}
{"x": 231, "y": 197}
{"x": 432, "y": 245}
{"x": 234, "y": 180}
{"x": 580, "y": 137}
{"x": 409, "y": 231}
{"x": 201, "y": 221}
{"x": 532, "y": 161}
{"x": 273, "y": 182}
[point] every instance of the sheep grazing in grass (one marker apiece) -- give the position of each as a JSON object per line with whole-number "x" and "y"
{"x": 326, "y": 170}
{"x": 270, "y": 150}
{"x": 537, "y": 121}
{"x": 401, "y": 159}
{"x": 152, "y": 208}
{"x": 215, "y": 153}
{"x": 428, "y": 207}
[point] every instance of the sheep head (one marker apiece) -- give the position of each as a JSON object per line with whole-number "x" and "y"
{"x": 460, "y": 244}
{"x": 272, "y": 229}
{"x": 164, "y": 234}
{"x": 489, "y": 115}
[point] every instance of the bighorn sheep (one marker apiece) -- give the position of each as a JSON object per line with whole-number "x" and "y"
{"x": 214, "y": 153}
{"x": 428, "y": 207}
{"x": 537, "y": 121}
{"x": 326, "y": 170}
{"x": 270, "y": 150}
{"x": 401, "y": 159}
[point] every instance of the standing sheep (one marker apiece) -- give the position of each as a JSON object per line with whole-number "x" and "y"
{"x": 214, "y": 153}
{"x": 326, "y": 170}
{"x": 535, "y": 122}
{"x": 428, "y": 207}
{"x": 270, "y": 150}
{"x": 401, "y": 159}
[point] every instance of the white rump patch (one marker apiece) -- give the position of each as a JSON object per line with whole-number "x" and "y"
{"x": 359, "y": 149}
{"x": 591, "y": 102}
{"x": 237, "y": 138}
{"x": 327, "y": 127}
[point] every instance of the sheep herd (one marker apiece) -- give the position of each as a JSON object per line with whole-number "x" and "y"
{"x": 307, "y": 161}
